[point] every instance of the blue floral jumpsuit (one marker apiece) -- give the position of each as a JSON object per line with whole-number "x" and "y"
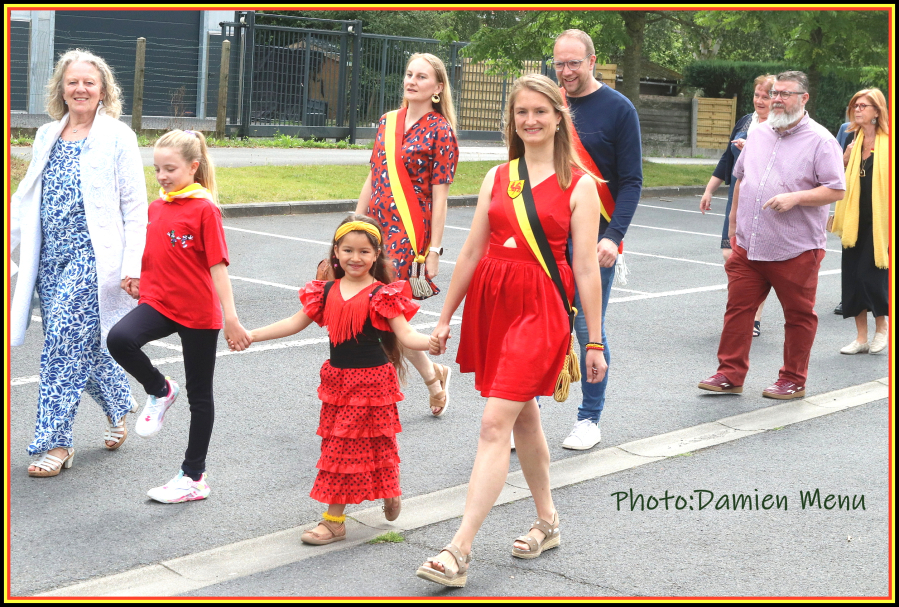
{"x": 72, "y": 359}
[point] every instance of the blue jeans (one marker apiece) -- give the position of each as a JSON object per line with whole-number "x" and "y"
{"x": 594, "y": 395}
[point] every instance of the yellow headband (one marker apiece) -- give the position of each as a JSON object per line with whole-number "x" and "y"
{"x": 353, "y": 226}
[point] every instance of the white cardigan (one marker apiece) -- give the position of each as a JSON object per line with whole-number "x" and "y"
{"x": 115, "y": 206}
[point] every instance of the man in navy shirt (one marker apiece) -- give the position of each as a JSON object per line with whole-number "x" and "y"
{"x": 609, "y": 129}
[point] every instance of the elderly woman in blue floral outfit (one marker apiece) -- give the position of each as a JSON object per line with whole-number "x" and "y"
{"x": 79, "y": 220}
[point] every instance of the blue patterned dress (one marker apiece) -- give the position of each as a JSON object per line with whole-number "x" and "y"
{"x": 72, "y": 360}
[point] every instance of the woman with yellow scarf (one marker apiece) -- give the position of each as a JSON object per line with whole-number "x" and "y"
{"x": 862, "y": 221}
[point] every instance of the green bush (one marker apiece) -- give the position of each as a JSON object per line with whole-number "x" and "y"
{"x": 724, "y": 79}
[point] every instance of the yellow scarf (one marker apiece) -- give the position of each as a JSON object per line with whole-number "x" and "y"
{"x": 845, "y": 220}
{"x": 194, "y": 190}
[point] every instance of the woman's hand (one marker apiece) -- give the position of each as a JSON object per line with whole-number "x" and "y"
{"x": 131, "y": 286}
{"x": 432, "y": 264}
{"x": 439, "y": 338}
{"x": 739, "y": 143}
{"x": 705, "y": 203}
{"x": 596, "y": 366}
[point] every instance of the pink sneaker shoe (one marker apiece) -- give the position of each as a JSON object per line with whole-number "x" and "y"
{"x": 181, "y": 489}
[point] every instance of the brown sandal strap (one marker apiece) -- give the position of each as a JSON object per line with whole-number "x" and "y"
{"x": 531, "y": 542}
{"x": 462, "y": 561}
{"x": 333, "y": 528}
{"x": 541, "y": 525}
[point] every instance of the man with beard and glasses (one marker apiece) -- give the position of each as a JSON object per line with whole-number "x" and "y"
{"x": 786, "y": 179}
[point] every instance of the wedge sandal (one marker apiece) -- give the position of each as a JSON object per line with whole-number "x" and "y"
{"x": 552, "y": 539}
{"x": 337, "y": 532}
{"x": 441, "y": 399}
{"x": 456, "y": 580}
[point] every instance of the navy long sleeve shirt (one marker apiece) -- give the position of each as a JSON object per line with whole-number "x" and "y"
{"x": 608, "y": 126}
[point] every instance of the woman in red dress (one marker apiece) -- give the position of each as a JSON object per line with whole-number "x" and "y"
{"x": 515, "y": 330}
{"x": 428, "y": 154}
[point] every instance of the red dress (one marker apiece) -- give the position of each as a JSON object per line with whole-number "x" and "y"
{"x": 515, "y": 330}
{"x": 430, "y": 154}
{"x": 359, "y": 419}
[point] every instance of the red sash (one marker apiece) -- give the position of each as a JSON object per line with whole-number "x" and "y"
{"x": 403, "y": 192}
{"x": 605, "y": 196}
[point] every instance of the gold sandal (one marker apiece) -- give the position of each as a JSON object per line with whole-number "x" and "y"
{"x": 456, "y": 580}
{"x": 337, "y": 533}
{"x": 441, "y": 399}
{"x": 552, "y": 539}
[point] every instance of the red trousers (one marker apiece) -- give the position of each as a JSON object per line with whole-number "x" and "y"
{"x": 795, "y": 282}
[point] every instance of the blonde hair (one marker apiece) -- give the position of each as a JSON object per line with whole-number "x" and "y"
{"x": 582, "y": 37}
{"x": 56, "y": 106}
{"x": 192, "y": 146}
{"x": 762, "y": 80}
{"x": 564, "y": 154}
{"x": 445, "y": 106}
{"x": 880, "y": 104}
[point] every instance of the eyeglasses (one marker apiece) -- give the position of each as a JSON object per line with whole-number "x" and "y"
{"x": 573, "y": 65}
{"x": 861, "y": 106}
{"x": 784, "y": 94}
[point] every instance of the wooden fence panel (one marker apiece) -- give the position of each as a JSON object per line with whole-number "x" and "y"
{"x": 715, "y": 122}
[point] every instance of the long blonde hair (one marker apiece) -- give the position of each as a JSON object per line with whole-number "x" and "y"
{"x": 564, "y": 154}
{"x": 445, "y": 106}
{"x": 880, "y": 104}
{"x": 192, "y": 146}
{"x": 56, "y": 106}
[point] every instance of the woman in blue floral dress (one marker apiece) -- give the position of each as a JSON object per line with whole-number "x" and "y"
{"x": 79, "y": 221}
{"x": 429, "y": 155}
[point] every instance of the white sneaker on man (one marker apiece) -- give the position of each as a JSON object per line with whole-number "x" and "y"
{"x": 584, "y": 435}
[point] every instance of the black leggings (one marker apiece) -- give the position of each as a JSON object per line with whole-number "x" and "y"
{"x": 144, "y": 324}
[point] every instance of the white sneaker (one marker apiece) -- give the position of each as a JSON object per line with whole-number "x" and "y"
{"x": 181, "y": 489}
{"x": 513, "y": 441}
{"x": 149, "y": 423}
{"x": 584, "y": 435}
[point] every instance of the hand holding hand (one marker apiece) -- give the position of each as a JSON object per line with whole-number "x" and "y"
{"x": 238, "y": 338}
{"x": 441, "y": 334}
{"x": 606, "y": 253}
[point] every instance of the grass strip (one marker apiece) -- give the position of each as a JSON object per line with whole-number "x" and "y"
{"x": 344, "y": 182}
{"x": 391, "y": 537}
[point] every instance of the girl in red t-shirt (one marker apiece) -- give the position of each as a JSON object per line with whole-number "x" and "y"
{"x": 182, "y": 289}
{"x": 366, "y": 314}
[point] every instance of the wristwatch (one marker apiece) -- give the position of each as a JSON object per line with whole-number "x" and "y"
{"x": 439, "y": 251}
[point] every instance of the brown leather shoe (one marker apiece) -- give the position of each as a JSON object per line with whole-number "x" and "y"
{"x": 784, "y": 389}
{"x": 719, "y": 383}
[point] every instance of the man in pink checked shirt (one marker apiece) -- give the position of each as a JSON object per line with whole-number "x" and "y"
{"x": 789, "y": 171}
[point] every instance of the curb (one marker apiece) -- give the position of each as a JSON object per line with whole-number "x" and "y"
{"x": 262, "y": 209}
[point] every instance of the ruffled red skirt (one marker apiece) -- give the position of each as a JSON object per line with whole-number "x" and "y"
{"x": 358, "y": 425}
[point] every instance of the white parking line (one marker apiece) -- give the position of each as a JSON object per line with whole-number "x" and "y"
{"x": 649, "y": 206}
{"x": 156, "y": 343}
{"x": 327, "y": 244}
{"x": 707, "y": 263}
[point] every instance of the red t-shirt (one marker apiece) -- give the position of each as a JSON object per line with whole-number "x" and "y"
{"x": 185, "y": 238}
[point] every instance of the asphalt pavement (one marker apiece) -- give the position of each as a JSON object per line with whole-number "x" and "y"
{"x": 94, "y": 520}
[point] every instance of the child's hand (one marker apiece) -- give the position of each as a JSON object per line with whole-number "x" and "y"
{"x": 434, "y": 345}
{"x": 239, "y": 339}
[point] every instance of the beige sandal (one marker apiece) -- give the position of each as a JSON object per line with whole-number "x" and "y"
{"x": 456, "y": 580}
{"x": 441, "y": 399}
{"x": 337, "y": 533}
{"x": 552, "y": 539}
{"x": 50, "y": 465}
{"x": 115, "y": 433}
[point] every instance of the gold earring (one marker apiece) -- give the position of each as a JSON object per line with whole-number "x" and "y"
{"x": 435, "y": 98}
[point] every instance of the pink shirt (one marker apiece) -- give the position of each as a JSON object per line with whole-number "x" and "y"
{"x": 801, "y": 158}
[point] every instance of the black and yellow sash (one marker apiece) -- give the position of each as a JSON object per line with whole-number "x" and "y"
{"x": 522, "y": 214}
